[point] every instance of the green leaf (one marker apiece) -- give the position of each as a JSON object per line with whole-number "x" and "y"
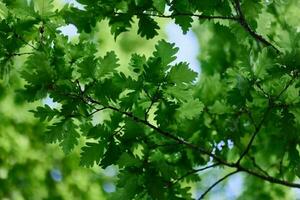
{"x": 219, "y": 107}
{"x": 44, "y": 7}
{"x": 54, "y": 132}
{"x": 111, "y": 155}
{"x": 91, "y": 154}
{"x": 180, "y": 92}
{"x": 127, "y": 160}
{"x": 70, "y": 140}
{"x": 159, "y": 5}
{"x": 147, "y": 27}
{"x": 109, "y": 89}
{"x": 120, "y": 24}
{"x": 108, "y": 64}
{"x": 45, "y": 113}
{"x": 296, "y": 113}
{"x": 190, "y": 109}
{"x": 65, "y": 132}
{"x": 137, "y": 62}
{"x": 83, "y": 20}
{"x": 181, "y": 73}
{"x": 129, "y": 184}
{"x": 3, "y": 10}
{"x": 98, "y": 131}
{"x": 262, "y": 64}
{"x": 87, "y": 67}
{"x": 185, "y": 22}
{"x": 155, "y": 185}
{"x": 166, "y": 51}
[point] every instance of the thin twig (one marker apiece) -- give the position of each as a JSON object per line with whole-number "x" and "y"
{"x": 257, "y": 129}
{"x": 153, "y": 100}
{"x": 20, "y": 38}
{"x": 251, "y": 118}
{"x": 193, "y": 172}
{"x": 79, "y": 87}
{"x": 270, "y": 106}
{"x": 262, "y": 90}
{"x": 257, "y": 166}
{"x": 287, "y": 85}
{"x": 216, "y": 183}
{"x": 118, "y": 131}
{"x": 21, "y": 54}
{"x": 97, "y": 110}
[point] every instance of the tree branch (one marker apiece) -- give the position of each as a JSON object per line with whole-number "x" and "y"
{"x": 97, "y": 110}
{"x": 294, "y": 76}
{"x": 270, "y": 106}
{"x": 167, "y": 134}
{"x": 193, "y": 172}
{"x": 199, "y": 16}
{"x": 216, "y": 183}
{"x": 242, "y": 21}
{"x": 262, "y": 90}
{"x": 237, "y": 166}
{"x": 257, "y": 166}
{"x": 269, "y": 178}
{"x": 257, "y": 129}
{"x": 21, "y": 54}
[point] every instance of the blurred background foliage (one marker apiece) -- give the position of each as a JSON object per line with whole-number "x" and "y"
{"x": 29, "y": 169}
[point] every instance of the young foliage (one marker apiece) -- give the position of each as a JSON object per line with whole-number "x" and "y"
{"x": 154, "y": 118}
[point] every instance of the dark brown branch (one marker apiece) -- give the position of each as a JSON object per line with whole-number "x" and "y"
{"x": 236, "y": 166}
{"x": 216, "y": 183}
{"x": 193, "y": 146}
{"x": 177, "y": 14}
{"x": 242, "y": 21}
{"x": 269, "y": 179}
{"x": 161, "y": 132}
{"x": 167, "y": 134}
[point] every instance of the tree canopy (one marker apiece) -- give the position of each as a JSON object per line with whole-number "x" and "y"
{"x": 159, "y": 122}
